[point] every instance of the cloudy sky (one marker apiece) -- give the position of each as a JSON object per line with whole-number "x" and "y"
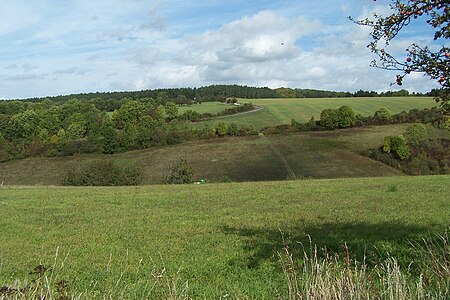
{"x": 51, "y": 47}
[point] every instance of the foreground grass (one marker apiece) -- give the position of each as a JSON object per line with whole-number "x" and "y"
{"x": 222, "y": 239}
{"x": 281, "y": 111}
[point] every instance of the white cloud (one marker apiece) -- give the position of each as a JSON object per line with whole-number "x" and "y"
{"x": 83, "y": 45}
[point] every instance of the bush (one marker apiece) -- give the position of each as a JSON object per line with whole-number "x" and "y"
{"x": 222, "y": 129}
{"x": 104, "y": 173}
{"x": 180, "y": 173}
{"x": 382, "y": 115}
{"x": 396, "y": 144}
{"x": 416, "y": 134}
{"x": 343, "y": 117}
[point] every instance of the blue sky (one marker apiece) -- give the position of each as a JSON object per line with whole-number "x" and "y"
{"x": 54, "y": 47}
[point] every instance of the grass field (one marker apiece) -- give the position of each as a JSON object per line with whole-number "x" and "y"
{"x": 222, "y": 238}
{"x": 281, "y": 111}
{"x": 205, "y": 107}
{"x": 329, "y": 154}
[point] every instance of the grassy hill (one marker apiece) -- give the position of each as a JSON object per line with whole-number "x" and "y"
{"x": 330, "y": 154}
{"x": 220, "y": 238}
{"x": 281, "y": 111}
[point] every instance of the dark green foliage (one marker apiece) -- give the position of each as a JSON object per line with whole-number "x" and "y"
{"x": 396, "y": 144}
{"x": 191, "y": 115}
{"x": 233, "y": 129}
{"x": 417, "y": 152}
{"x": 104, "y": 173}
{"x": 181, "y": 173}
{"x": 342, "y": 117}
{"x": 221, "y": 129}
{"x": 382, "y": 115}
{"x": 416, "y": 134}
{"x": 328, "y": 118}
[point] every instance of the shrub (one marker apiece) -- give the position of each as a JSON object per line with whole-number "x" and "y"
{"x": 328, "y": 118}
{"x": 342, "y": 117}
{"x": 382, "y": 115}
{"x": 104, "y": 173}
{"x": 416, "y": 134}
{"x": 396, "y": 144}
{"x": 233, "y": 129}
{"x": 180, "y": 173}
{"x": 346, "y": 117}
{"x": 221, "y": 129}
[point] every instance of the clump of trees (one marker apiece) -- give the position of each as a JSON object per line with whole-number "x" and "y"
{"x": 418, "y": 151}
{"x": 180, "y": 173}
{"x": 47, "y": 128}
{"x": 342, "y": 117}
{"x": 104, "y": 173}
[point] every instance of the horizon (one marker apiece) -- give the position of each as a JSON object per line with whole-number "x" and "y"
{"x": 113, "y": 46}
{"x": 199, "y": 87}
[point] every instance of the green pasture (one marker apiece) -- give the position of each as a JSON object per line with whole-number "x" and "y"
{"x": 282, "y": 111}
{"x": 328, "y": 154}
{"x": 205, "y": 107}
{"x": 222, "y": 239}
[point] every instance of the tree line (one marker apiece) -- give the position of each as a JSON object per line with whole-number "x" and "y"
{"x": 47, "y": 128}
{"x": 109, "y": 101}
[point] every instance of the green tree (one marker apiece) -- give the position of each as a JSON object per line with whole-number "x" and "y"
{"x": 180, "y": 173}
{"x": 25, "y": 124}
{"x": 382, "y": 115}
{"x": 416, "y": 134}
{"x": 328, "y": 118}
{"x": 346, "y": 117}
{"x": 233, "y": 129}
{"x": 342, "y": 117}
{"x": 162, "y": 98}
{"x": 110, "y": 141}
{"x": 221, "y": 129}
{"x": 433, "y": 61}
{"x": 396, "y": 144}
{"x": 171, "y": 110}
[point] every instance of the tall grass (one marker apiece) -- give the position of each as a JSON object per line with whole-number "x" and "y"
{"x": 48, "y": 283}
{"x": 318, "y": 275}
{"x": 321, "y": 275}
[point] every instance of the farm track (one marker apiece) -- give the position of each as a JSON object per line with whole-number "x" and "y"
{"x": 257, "y": 108}
{"x": 291, "y": 173}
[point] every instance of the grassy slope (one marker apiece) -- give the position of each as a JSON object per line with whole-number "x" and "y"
{"x": 206, "y": 107}
{"x": 274, "y": 157}
{"x": 281, "y": 111}
{"x": 223, "y": 236}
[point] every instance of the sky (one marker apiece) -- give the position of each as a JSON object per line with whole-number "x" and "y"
{"x": 58, "y": 47}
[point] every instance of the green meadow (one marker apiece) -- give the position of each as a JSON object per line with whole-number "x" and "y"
{"x": 208, "y": 241}
{"x": 282, "y": 111}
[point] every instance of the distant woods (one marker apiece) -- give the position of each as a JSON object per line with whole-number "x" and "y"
{"x": 48, "y": 128}
{"x": 110, "y": 101}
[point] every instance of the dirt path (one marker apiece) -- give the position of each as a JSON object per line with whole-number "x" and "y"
{"x": 291, "y": 173}
{"x": 257, "y": 108}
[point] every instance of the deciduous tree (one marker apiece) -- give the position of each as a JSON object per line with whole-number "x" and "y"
{"x": 431, "y": 60}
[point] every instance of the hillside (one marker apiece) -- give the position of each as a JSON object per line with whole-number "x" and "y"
{"x": 329, "y": 154}
{"x": 281, "y": 111}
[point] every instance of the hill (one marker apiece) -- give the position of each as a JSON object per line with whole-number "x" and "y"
{"x": 282, "y": 111}
{"x": 328, "y": 154}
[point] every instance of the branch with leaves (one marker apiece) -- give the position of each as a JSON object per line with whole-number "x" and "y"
{"x": 432, "y": 61}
